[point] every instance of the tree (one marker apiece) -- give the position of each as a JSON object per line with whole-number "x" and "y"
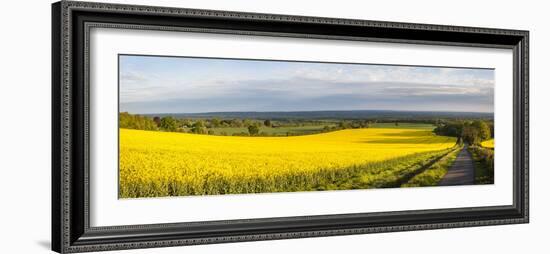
{"x": 236, "y": 123}
{"x": 253, "y": 129}
{"x": 168, "y": 123}
{"x": 137, "y": 122}
{"x": 186, "y": 123}
{"x": 470, "y": 134}
{"x": 449, "y": 129}
{"x": 484, "y": 131}
{"x": 199, "y": 128}
{"x": 344, "y": 124}
{"x": 215, "y": 122}
{"x": 267, "y": 123}
{"x": 156, "y": 119}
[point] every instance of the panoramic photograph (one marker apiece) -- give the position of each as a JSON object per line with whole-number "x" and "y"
{"x": 213, "y": 126}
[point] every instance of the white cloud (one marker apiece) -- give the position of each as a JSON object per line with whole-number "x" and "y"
{"x": 305, "y": 81}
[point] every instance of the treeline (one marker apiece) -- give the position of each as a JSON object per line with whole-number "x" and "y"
{"x": 252, "y": 127}
{"x": 197, "y": 126}
{"x": 220, "y": 123}
{"x": 137, "y": 122}
{"x": 472, "y": 132}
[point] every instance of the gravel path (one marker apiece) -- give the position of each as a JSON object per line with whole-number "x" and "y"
{"x": 462, "y": 170}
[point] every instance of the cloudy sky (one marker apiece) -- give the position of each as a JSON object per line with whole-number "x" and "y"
{"x": 191, "y": 85}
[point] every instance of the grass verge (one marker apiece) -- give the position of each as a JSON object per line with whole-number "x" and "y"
{"x": 484, "y": 164}
{"x": 434, "y": 172}
{"x": 391, "y": 175}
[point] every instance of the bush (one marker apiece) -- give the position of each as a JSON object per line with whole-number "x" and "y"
{"x": 485, "y": 163}
{"x": 168, "y": 124}
{"x": 253, "y": 130}
{"x": 199, "y": 128}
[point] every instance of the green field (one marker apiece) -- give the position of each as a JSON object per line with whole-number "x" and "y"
{"x": 311, "y": 129}
{"x": 423, "y": 126}
{"x": 275, "y": 131}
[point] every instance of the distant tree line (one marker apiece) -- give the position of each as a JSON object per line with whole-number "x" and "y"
{"x": 197, "y": 126}
{"x": 137, "y": 122}
{"x": 472, "y": 132}
{"x": 354, "y": 124}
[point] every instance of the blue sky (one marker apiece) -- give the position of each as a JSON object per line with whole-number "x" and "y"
{"x": 151, "y": 84}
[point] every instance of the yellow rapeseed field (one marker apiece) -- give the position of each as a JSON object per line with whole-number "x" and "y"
{"x": 154, "y": 163}
{"x": 488, "y": 143}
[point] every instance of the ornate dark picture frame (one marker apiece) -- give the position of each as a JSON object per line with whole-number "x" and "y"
{"x": 71, "y": 22}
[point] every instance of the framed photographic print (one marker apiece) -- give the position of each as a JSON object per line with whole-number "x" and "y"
{"x": 181, "y": 126}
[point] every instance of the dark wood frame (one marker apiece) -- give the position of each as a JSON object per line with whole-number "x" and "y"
{"x": 71, "y": 22}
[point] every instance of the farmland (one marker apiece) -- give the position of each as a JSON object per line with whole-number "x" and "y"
{"x": 312, "y": 129}
{"x": 280, "y": 131}
{"x": 191, "y": 126}
{"x": 155, "y": 163}
{"x": 423, "y": 126}
{"x": 488, "y": 144}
